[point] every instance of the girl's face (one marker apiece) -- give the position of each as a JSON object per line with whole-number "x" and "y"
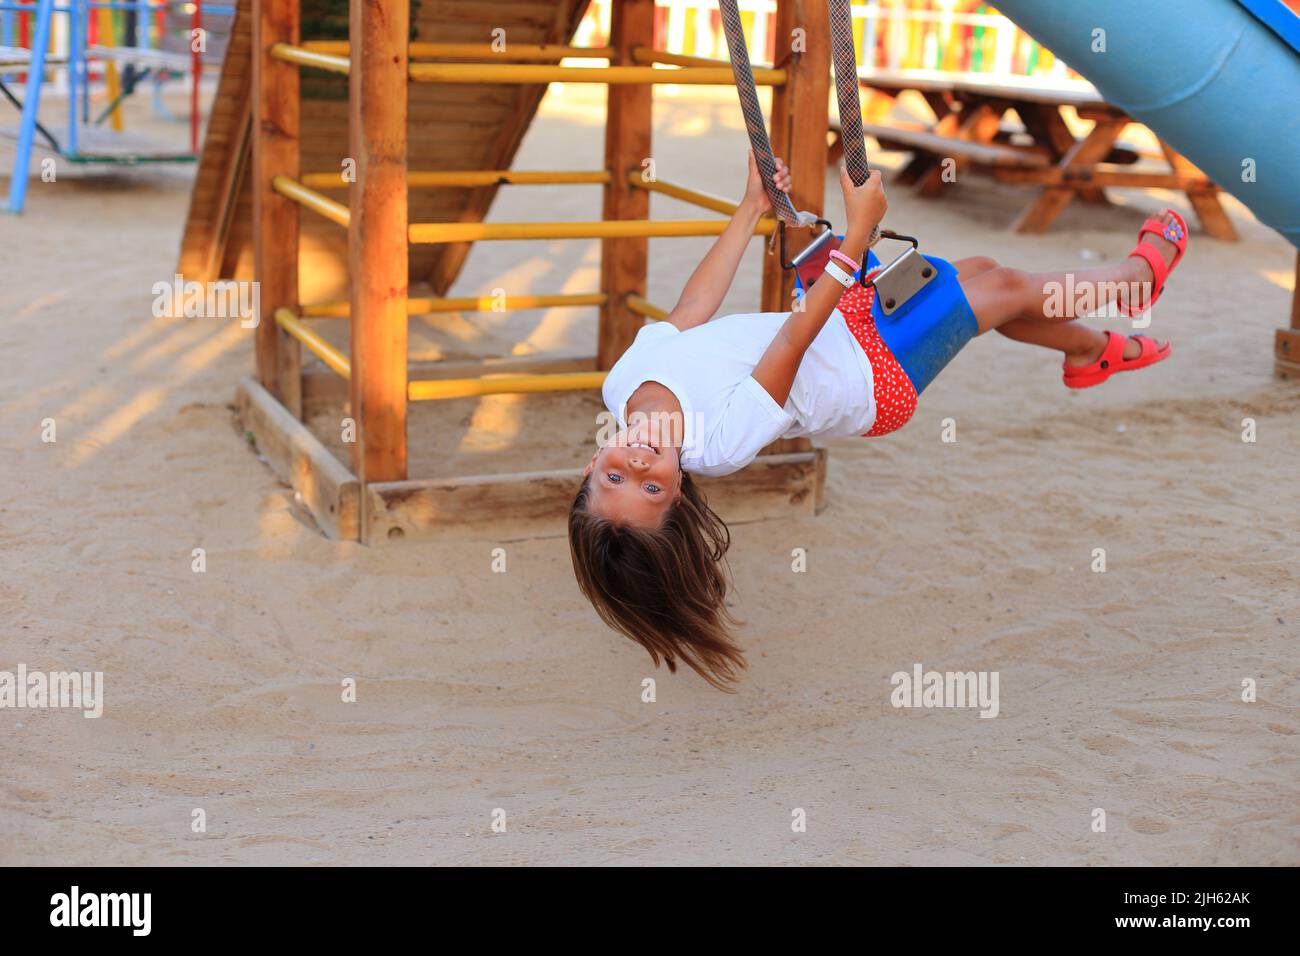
{"x": 633, "y": 479}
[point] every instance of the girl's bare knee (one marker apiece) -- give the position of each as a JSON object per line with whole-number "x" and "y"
{"x": 1013, "y": 282}
{"x": 975, "y": 265}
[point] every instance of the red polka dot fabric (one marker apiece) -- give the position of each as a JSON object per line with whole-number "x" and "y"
{"x": 894, "y": 392}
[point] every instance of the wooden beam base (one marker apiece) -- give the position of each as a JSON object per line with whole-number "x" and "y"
{"x": 1286, "y": 351}
{"x": 788, "y": 479}
{"x": 331, "y": 492}
{"x": 1287, "y": 344}
{"x": 535, "y": 504}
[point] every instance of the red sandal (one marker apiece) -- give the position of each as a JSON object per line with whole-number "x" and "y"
{"x": 1112, "y": 360}
{"x": 1175, "y": 232}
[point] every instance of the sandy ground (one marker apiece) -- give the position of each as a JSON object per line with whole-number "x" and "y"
{"x": 480, "y": 690}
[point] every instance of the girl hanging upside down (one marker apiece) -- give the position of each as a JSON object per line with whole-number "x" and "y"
{"x": 695, "y": 395}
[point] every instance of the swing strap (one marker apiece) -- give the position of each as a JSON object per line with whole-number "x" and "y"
{"x": 846, "y": 90}
{"x": 755, "y": 125}
{"x": 846, "y": 94}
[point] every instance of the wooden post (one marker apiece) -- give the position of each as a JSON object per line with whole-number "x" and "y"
{"x": 1295, "y": 295}
{"x": 275, "y": 218}
{"x": 627, "y": 146}
{"x": 1087, "y": 152}
{"x": 800, "y": 119}
{"x": 1287, "y": 346}
{"x": 377, "y": 244}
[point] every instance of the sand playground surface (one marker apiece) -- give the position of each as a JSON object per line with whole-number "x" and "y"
{"x": 1119, "y": 691}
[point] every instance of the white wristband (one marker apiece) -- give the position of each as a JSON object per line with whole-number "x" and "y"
{"x": 839, "y": 275}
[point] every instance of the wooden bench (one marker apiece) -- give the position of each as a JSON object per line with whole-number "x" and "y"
{"x": 917, "y": 138}
{"x": 971, "y": 129}
{"x": 983, "y": 154}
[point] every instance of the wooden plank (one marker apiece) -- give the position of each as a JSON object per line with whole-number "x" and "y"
{"x": 201, "y": 237}
{"x": 983, "y": 153}
{"x": 535, "y": 503}
{"x": 330, "y": 492}
{"x": 1084, "y": 178}
{"x": 442, "y": 264}
{"x": 1287, "y": 371}
{"x": 623, "y": 262}
{"x": 1295, "y": 295}
{"x": 1286, "y": 347}
{"x": 275, "y": 218}
{"x": 980, "y": 122}
{"x": 227, "y": 197}
{"x": 377, "y": 249}
{"x": 1069, "y": 93}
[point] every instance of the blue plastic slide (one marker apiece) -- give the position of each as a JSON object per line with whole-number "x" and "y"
{"x": 1219, "y": 80}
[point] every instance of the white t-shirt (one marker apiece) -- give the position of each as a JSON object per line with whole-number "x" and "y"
{"x": 729, "y": 417}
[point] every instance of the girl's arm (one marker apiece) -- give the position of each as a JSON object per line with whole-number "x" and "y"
{"x": 708, "y": 284}
{"x": 777, "y": 368}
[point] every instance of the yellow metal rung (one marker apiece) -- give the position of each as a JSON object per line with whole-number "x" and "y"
{"x": 433, "y": 389}
{"x": 644, "y": 54}
{"x": 331, "y": 210}
{"x": 427, "y": 233}
{"x": 537, "y": 73}
{"x": 472, "y": 178}
{"x": 641, "y": 307}
{"x": 477, "y": 51}
{"x": 317, "y": 345}
{"x": 484, "y": 303}
{"x": 693, "y": 196}
{"x": 305, "y": 57}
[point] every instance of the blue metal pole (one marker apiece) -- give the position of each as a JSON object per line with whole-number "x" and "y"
{"x": 74, "y": 80}
{"x": 81, "y": 13}
{"x": 32, "y": 102}
{"x": 6, "y": 33}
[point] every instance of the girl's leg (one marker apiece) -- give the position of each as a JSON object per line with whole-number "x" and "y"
{"x": 1081, "y": 344}
{"x": 1072, "y": 338}
{"x": 1016, "y": 302}
{"x": 973, "y": 266}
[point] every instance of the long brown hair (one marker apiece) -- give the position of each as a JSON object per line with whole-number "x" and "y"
{"x": 663, "y": 587}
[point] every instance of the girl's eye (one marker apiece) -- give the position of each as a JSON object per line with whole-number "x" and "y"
{"x": 652, "y": 488}
{"x": 614, "y": 477}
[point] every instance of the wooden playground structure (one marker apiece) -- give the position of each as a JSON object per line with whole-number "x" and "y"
{"x": 376, "y": 497}
{"x": 415, "y": 205}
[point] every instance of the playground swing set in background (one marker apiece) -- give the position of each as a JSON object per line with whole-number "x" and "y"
{"x": 92, "y": 34}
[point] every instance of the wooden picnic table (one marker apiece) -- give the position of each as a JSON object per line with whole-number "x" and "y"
{"x": 971, "y": 130}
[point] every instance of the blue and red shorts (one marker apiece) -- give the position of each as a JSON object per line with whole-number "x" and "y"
{"x": 894, "y": 392}
{"x": 908, "y": 349}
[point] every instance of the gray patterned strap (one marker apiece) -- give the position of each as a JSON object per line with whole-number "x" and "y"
{"x": 755, "y": 125}
{"x": 846, "y": 93}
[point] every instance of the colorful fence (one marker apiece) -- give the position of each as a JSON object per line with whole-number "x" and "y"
{"x": 952, "y": 35}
